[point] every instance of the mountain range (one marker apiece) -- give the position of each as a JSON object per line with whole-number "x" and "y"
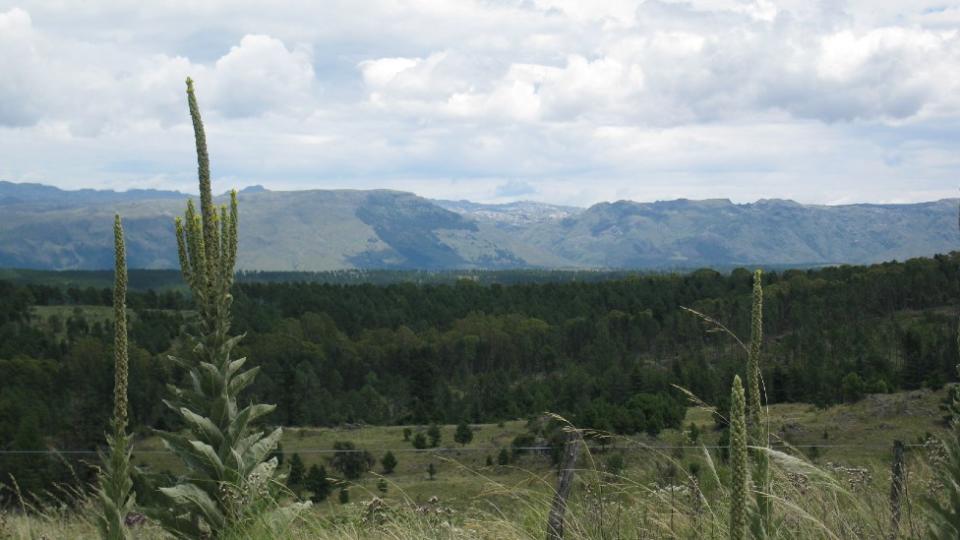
{"x": 44, "y": 227}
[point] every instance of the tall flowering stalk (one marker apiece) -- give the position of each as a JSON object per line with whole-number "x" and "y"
{"x": 943, "y": 509}
{"x": 116, "y": 487}
{"x": 740, "y": 475}
{"x": 757, "y": 430}
{"x": 754, "y": 408}
{"x": 227, "y": 461}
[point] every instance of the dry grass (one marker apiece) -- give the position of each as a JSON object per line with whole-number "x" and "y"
{"x": 655, "y": 496}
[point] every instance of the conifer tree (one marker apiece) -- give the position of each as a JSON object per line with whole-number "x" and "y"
{"x": 317, "y": 483}
{"x": 739, "y": 483}
{"x": 435, "y": 435}
{"x": 116, "y": 486}
{"x": 464, "y": 433}
{"x": 226, "y": 460}
{"x": 295, "y": 478}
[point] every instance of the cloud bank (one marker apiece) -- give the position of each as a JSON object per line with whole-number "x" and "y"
{"x": 556, "y": 100}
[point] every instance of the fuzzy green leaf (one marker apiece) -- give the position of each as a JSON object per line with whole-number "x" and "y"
{"x": 242, "y": 380}
{"x": 235, "y": 366}
{"x": 246, "y": 416}
{"x": 259, "y": 450}
{"x": 211, "y": 460}
{"x": 194, "y": 497}
{"x": 203, "y": 426}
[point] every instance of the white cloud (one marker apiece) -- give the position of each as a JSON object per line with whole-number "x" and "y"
{"x": 18, "y": 106}
{"x": 580, "y": 102}
{"x": 382, "y": 72}
{"x": 261, "y": 75}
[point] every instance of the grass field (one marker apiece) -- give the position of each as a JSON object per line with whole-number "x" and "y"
{"x": 410, "y": 479}
{"x": 648, "y": 499}
{"x": 855, "y": 435}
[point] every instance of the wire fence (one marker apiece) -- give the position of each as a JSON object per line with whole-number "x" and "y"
{"x": 451, "y": 449}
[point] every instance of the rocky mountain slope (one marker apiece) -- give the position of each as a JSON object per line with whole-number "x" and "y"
{"x": 47, "y": 228}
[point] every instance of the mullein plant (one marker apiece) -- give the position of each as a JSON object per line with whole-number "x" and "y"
{"x": 229, "y": 473}
{"x": 115, "y": 489}
{"x": 739, "y": 473}
{"x": 756, "y": 424}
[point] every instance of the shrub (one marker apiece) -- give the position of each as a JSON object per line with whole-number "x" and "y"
{"x": 522, "y": 443}
{"x": 852, "y": 388}
{"x": 389, "y": 462}
{"x": 614, "y": 464}
{"x": 433, "y": 432}
{"x": 350, "y": 461}
{"x": 419, "y": 441}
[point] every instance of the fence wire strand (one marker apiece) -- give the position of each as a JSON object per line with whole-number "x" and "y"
{"x": 450, "y": 449}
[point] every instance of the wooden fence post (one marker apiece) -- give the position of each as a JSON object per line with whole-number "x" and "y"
{"x": 896, "y": 488}
{"x": 555, "y": 520}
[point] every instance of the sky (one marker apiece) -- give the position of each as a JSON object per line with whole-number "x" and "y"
{"x": 561, "y": 101}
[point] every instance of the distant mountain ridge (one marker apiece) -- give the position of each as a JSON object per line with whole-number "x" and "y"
{"x": 19, "y": 193}
{"x": 49, "y": 228}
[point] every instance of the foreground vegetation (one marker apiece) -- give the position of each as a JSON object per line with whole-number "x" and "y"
{"x": 606, "y": 373}
{"x": 634, "y": 500}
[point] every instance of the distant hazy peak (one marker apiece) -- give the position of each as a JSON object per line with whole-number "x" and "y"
{"x": 517, "y": 213}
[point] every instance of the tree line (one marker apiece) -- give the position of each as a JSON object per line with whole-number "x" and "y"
{"x": 604, "y": 354}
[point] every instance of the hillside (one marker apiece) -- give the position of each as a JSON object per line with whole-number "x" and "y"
{"x": 685, "y": 233}
{"x": 47, "y": 228}
{"x": 322, "y": 230}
